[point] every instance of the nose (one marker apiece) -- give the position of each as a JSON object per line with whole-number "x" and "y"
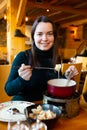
{"x": 44, "y": 37}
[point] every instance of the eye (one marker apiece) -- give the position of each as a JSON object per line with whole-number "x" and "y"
{"x": 39, "y": 34}
{"x": 50, "y": 33}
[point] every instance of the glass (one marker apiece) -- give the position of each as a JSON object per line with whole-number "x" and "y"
{"x": 18, "y": 125}
{"x": 38, "y": 126}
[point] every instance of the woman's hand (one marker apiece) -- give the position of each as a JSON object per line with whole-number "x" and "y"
{"x": 25, "y": 72}
{"x": 71, "y": 72}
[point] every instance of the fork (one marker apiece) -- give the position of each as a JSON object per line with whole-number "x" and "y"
{"x": 17, "y": 67}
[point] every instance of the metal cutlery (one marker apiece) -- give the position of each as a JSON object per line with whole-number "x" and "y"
{"x": 45, "y": 68}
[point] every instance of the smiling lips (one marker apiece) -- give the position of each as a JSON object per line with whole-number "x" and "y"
{"x": 45, "y": 44}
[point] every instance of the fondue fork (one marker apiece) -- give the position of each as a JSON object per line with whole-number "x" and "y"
{"x": 44, "y": 68}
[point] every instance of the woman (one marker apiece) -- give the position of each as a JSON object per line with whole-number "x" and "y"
{"x": 25, "y": 82}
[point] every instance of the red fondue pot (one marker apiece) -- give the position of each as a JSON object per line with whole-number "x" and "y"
{"x": 62, "y": 88}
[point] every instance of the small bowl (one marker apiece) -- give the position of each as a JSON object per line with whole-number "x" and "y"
{"x": 45, "y": 107}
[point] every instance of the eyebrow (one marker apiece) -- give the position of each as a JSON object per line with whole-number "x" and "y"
{"x": 46, "y": 32}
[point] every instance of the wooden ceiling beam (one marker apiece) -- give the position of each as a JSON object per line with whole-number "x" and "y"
{"x": 55, "y": 13}
{"x": 66, "y": 18}
{"x": 81, "y": 4}
{"x": 53, "y": 1}
{"x": 3, "y": 7}
{"x": 59, "y": 1}
{"x": 46, "y": 5}
{"x": 73, "y": 20}
{"x": 77, "y": 22}
{"x": 21, "y": 12}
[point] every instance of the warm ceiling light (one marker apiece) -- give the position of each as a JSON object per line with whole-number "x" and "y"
{"x": 47, "y": 10}
{"x": 5, "y": 16}
{"x": 26, "y": 18}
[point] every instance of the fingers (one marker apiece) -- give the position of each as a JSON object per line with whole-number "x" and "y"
{"x": 26, "y": 75}
{"x": 71, "y": 72}
{"x": 23, "y": 67}
{"x": 72, "y": 69}
{"x": 25, "y": 71}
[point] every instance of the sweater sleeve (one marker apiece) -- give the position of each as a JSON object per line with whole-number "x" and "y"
{"x": 15, "y": 84}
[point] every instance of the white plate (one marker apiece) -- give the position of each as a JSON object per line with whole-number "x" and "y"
{"x": 5, "y": 116}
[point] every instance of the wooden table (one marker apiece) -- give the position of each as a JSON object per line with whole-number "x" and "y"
{"x": 76, "y": 123}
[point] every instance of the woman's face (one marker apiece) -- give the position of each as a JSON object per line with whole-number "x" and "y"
{"x": 43, "y": 36}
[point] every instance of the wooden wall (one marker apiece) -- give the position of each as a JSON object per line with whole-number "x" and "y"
{"x": 70, "y": 37}
{"x": 69, "y": 50}
{"x": 14, "y": 44}
{"x": 17, "y": 44}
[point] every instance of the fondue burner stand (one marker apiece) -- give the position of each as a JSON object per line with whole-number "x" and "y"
{"x": 69, "y": 106}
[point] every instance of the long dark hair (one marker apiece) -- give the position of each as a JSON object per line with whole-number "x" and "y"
{"x": 34, "y": 58}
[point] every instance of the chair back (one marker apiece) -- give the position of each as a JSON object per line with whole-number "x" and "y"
{"x": 65, "y": 66}
{"x": 85, "y": 85}
{"x": 83, "y": 60}
{"x": 4, "y": 72}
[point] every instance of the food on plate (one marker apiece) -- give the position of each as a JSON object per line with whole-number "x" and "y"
{"x": 41, "y": 114}
{"x": 37, "y": 110}
{"x": 58, "y": 67}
